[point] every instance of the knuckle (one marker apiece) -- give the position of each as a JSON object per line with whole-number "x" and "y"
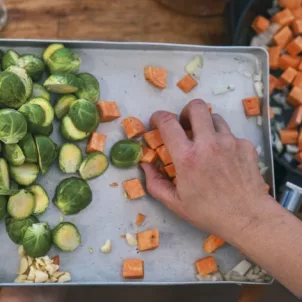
{"x": 190, "y": 156}
{"x": 247, "y": 146}
{"x": 164, "y": 118}
{"x": 227, "y": 141}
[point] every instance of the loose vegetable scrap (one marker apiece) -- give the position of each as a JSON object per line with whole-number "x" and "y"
{"x": 212, "y": 243}
{"x": 156, "y": 76}
{"x": 134, "y": 188}
{"x": 140, "y": 218}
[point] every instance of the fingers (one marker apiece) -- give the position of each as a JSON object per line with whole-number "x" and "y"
{"x": 197, "y": 116}
{"x": 220, "y": 124}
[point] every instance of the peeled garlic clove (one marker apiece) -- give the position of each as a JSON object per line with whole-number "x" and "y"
{"x": 30, "y": 260}
{"x": 46, "y": 260}
{"x": 107, "y": 247}
{"x": 53, "y": 279}
{"x": 58, "y": 274}
{"x": 51, "y": 268}
{"x": 32, "y": 274}
{"x": 131, "y": 239}
{"x": 64, "y": 278}
{"x": 41, "y": 277}
{"x": 20, "y": 279}
{"x": 21, "y": 251}
{"x": 23, "y": 265}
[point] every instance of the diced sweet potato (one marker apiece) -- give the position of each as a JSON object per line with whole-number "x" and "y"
{"x": 295, "y": 46}
{"x": 286, "y": 61}
{"x": 156, "y": 76}
{"x": 133, "y": 269}
{"x": 260, "y": 24}
{"x": 174, "y": 181}
{"x": 291, "y": 4}
{"x": 149, "y": 155}
{"x": 296, "y": 118}
{"x": 133, "y": 127}
{"x": 56, "y": 260}
{"x": 297, "y": 27}
{"x": 134, "y": 188}
{"x": 289, "y": 136}
{"x": 108, "y": 111}
{"x": 283, "y": 36}
{"x": 164, "y": 155}
{"x": 212, "y": 243}
{"x": 153, "y": 139}
{"x": 187, "y": 83}
{"x": 96, "y": 142}
{"x": 298, "y": 80}
{"x": 300, "y": 141}
{"x": 275, "y": 83}
{"x": 251, "y": 106}
{"x": 297, "y": 12}
{"x": 206, "y": 266}
{"x": 274, "y": 56}
{"x": 148, "y": 240}
{"x": 170, "y": 170}
{"x": 284, "y": 17}
{"x": 140, "y": 218}
{"x": 288, "y": 75}
{"x": 295, "y": 96}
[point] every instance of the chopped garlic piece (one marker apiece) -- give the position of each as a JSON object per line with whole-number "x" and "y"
{"x": 32, "y": 274}
{"x": 41, "y": 277}
{"x": 20, "y": 279}
{"x": 241, "y": 268}
{"x": 194, "y": 66}
{"x": 259, "y": 121}
{"x": 259, "y": 89}
{"x": 21, "y": 251}
{"x": 64, "y": 278}
{"x": 30, "y": 260}
{"x": 131, "y": 239}
{"x": 222, "y": 90}
{"x": 51, "y": 268}
{"x": 23, "y": 265}
{"x": 58, "y": 274}
{"x": 107, "y": 247}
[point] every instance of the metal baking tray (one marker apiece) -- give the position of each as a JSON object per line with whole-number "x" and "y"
{"x": 119, "y": 70}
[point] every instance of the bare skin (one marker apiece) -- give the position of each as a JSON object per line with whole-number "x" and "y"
{"x": 220, "y": 190}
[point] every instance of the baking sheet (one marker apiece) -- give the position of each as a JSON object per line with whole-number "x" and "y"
{"x": 119, "y": 70}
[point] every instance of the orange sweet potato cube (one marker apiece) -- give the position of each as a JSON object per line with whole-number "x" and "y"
{"x": 288, "y": 75}
{"x": 187, "y": 83}
{"x": 206, "y": 266}
{"x": 286, "y": 61}
{"x": 212, "y": 243}
{"x": 297, "y": 12}
{"x": 295, "y": 46}
{"x": 251, "y": 106}
{"x": 140, "y": 218}
{"x": 148, "y": 240}
{"x": 153, "y": 139}
{"x": 133, "y": 269}
{"x": 170, "y": 170}
{"x": 108, "y": 111}
{"x": 274, "y": 56}
{"x": 134, "y": 188}
{"x": 133, "y": 127}
{"x": 164, "y": 155}
{"x": 289, "y": 136}
{"x": 96, "y": 142}
{"x": 297, "y": 27}
{"x": 298, "y": 80}
{"x": 284, "y": 17}
{"x": 291, "y": 4}
{"x": 295, "y": 96}
{"x": 156, "y": 76}
{"x": 296, "y": 118}
{"x": 300, "y": 141}
{"x": 260, "y": 24}
{"x": 300, "y": 66}
{"x": 149, "y": 155}
{"x": 283, "y": 36}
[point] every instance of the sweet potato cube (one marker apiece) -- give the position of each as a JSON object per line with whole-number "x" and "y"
{"x": 283, "y": 36}
{"x": 149, "y": 155}
{"x": 108, "y": 111}
{"x": 260, "y": 24}
{"x": 153, "y": 139}
{"x": 295, "y": 96}
{"x": 251, "y": 106}
{"x": 164, "y": 155}
{"x": 289, "y": 136}
{"x": 296, "y": 118}
{"x": 297, "y": 12}
{"x": 288, "y": 75}
{"x": 96, "y": 142}
{"x": 295, "y": 46}
{"x": 286, "y": 61}
{"x": 134, "y": 188}
{"x": 300, "y": 141}
{"x": 156, "y": 76}
{"x": 148, "y": 240}
{"x": 274, "y": 56}
{"x": 298, "y": 80}
{"x": 133, "y": 269}
{"x": 284, "y": 17}
{"x": 212, "y": 243}
{"x": 300, "y": 66}
{"x": 291, "y": 4}
{"x": 206, "y": 266}
{"x": 170, "y": 170}
{"x": 133, "y": 127}
{"x": 140, "y": 218}
{"x": 297, "y": 27}
{"x": 187, "y": 83}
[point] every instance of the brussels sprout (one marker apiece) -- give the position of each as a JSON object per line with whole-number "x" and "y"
{"x": 25, "y": 174}
{"x": 13, "y": 154}
{"x": 50, "y": 50}
{"x": 89, "y": 87}
{"x": 47, "y": 152}
{"x": 126, "y": 153}
{"x": 4, "y": 175}
{"x": 62, "y": 83}
{"x": 1, "y": 56}
{"x": 34, "y": 115}
{"x": 72, "y": 195}
{"x": 70, "y": 132}
{"x": 70, "y": 158}
{"x": 66, "y": 236}
{"x": 93, "y": 165}
{"x": 63, "y": 104}
{"x": 39, "y": 91}
{"x": 13, "y": 126}
{"x": 48, "y": 110}
{"x": 84, "y": 115}
{"x": 33, "y": 65}
{"x": 37, "y": 240}
{"x": 21, "y": 205}
{"x": 3, "y": 205}
{"x": 10, "y": 58}
{"x": 29, "y": 148}
{"x": 41, "y": 198}
{"x": 16, "y": 228}
{"x": 47, "y": 131}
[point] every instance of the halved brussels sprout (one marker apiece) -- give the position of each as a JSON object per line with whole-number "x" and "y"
{"x": 48, "y": 110}
{"x": 66, "y": 236}
{"x": 3, "y": 205}
{"x": 25, "y": 174}
{"x": 33, "y": 65}
{"x": 10, "y": 58}
{"x": 29, "y": 148}
{"x": 13, "y": 154}
{"x": 126, "y": 153}
{"x": 1, "y": 56}
{"x": 62, "y": 83}
{"x": 47, "y": 152}
{"x": 11, "y": 191}
{"x": 47, "y": 131}
{"x": 93, "y": 165}
{"x": 4, "y": 175}
{"x": 13, "y": 126}
{"x": 89, "y": 87}
{"x": 72, "y": 195}
{"x": 63, "y": 104}
{"x": 84, "y": 115}
{"x": 16, "y": 228}
{"x": 70, "y": 158}
{"x": 50, "y": 50}
{"x": 41, "y": 198}
{"x": 37, "y": 240}
{"x": 34, "y": 115}
{"x": 21, "y": 205}
{"x": 70, "y": 132}
{"x": 39, "y": 91}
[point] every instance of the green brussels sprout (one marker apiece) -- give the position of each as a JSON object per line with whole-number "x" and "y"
{"x": 29, "y": 148}
{"x": 89, "y": 87}
{"x": 47, "y": 131}
{"x": 50, "y": 50}
{"x": 3, "y": 205}
{"x": 16, "y": 228}
{"x": 37, "y": 240}
{"x": 70, "y": 132}
{"x": 66, "y": 236}
{"x": 25, "y": 174}
{"x": 93, "y": 165}
{"x": 48, "y": 110}
{"x": 47, "y": 152}
{"x": 39, "y": 91}
{"x": 4, "y": 175}
{"x": 1, "y": 56}
{"x": 72, "y": 195}
{"x": 34, "y": 115}
{"x": 63, "y": 104}
{"x": 126, "y": 153}
{"x": 21, "y": 205}
{"x": 33, "y": 65}
{"x": 13, "y": 154}
{"x": 61, "y": 83}
{"x": 13, "y": 126}
{"x": 10, "y": 58}
{"x": 41, "y": 198}
{"x": 70, "y": 158}
{"x": 84, "y": 115}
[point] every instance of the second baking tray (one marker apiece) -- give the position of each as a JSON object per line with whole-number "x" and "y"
{"x": 119, "y": 70}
